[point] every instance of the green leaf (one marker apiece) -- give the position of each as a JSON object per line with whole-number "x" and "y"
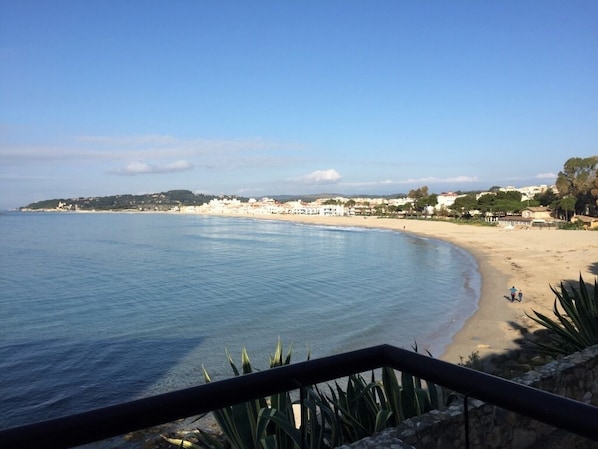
{"x": 382, "y": 418}
{"x": 393, "y": 394}
{"x": 182, "y": 443}
{"x": 576, "y": 327}
{"x": 245, "y": 363}
{"x": 409, "y": 398}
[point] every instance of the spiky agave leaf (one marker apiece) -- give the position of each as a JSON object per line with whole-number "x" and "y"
{"x": 204, "y": 440}
{"x": 408, "y": 396}
{"x": 245, "y": 362}
{"x": 583, "y": 310}
{"x": 268, "y": 415}
{"x": 208, "y": 440}
{"x": 239, "y": 422}
{"x": 576, "y": 327}
{"x": 324, "y": 424}
{"x": 182, "y": 443}
{"x": 277, "y": 358}
{"x": 382, "y": 418}
{"x": 433, "y": 394}
{"x": 392, "y": 391}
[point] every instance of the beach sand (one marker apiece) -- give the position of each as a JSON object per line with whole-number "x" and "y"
{"x": 532, "y": 260}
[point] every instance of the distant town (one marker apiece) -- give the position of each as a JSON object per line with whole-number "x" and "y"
{"x": 525, "y": 206}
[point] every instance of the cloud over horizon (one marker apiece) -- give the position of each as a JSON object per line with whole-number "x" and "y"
{"x": 546, "y": 176}
{"x": 329, "y": 176}
{"x": 142, "y": 168}
{"x": 424, "y": 180}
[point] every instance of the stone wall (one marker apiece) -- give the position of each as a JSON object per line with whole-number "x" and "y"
{"x": 490, "y": 427}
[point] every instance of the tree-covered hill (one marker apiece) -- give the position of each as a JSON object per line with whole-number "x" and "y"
{"x": 150, "y": 201}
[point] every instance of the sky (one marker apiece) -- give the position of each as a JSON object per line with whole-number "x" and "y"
{"x": 269, "y": 98}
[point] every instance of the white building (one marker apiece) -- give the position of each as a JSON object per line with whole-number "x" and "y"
{"x": 298, "y": 208}
{"x": 446, "y": 200}
{"x": 528, "y": 193}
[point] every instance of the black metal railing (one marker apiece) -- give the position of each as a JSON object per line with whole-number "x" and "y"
{"x": 103, "y": 423}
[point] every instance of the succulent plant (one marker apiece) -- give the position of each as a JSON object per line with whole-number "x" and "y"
{"x": 576, "y": 324}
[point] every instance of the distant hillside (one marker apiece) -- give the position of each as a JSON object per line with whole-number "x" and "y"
{"x": 150, "y": 201}
{"x": 173, "y": 198}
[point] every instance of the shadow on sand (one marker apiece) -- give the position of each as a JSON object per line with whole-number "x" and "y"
{"x": 528, "y": 354}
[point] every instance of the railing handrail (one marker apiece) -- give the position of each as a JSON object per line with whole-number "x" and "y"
{"x": 106, "y": 422}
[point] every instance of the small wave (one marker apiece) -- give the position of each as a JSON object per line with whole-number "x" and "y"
{"x": 113, "y": 310}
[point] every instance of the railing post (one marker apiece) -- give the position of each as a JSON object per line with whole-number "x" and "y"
{"x": 466, "y": 417}
{"x": 303, "y": 409}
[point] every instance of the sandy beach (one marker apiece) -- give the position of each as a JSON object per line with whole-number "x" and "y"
{"x": 531, "y": 260}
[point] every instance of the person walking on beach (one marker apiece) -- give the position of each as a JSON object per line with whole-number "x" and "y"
{"x": 520, "y": 295}
{"x": 513, "y": 291}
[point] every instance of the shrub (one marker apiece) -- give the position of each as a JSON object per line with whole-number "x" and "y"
{"x": 342, "y": 415}
{"x": 249, "y": 425}
{"x": 576, "y": 324}
{"x": 473, "y": 361}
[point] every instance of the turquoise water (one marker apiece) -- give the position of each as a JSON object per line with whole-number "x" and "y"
{"x": 97, "y": 309}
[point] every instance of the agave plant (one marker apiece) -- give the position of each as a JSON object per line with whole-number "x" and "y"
{"x": 259, "y": 424}
{"x": 576, "y": 324}
{"x": 364, "y": 408}
{"x": 409, "y": 398}
{"x": 343, "y": 415}
{"x": 359, "y": 409}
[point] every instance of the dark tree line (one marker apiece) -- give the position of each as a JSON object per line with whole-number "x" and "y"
{"x": 496, "y": 202}
{"x": 150, "y": 201}
{"x": 577, "y": 186}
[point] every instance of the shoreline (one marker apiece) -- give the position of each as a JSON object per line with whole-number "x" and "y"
{"x": 531, "y": 260}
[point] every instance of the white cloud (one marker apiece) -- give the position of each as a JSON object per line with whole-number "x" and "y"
{"x": 141, "y": 168}
{"x": 434, "y": 180}
{"x": 223, "y": 153}
{"x": 330, "y": 176}
{"x": 179, "y": 166}
{"x": 149, "y": 140}
{"x": 546, "y": 176}
{"x": 427, "y": 180}
{"x": 24, "y": 177}
{"x": 135, "y": 168}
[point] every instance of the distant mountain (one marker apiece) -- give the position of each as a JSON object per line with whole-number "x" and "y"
{"x": 167, "y": 200}
{"x": 151, "y": 201}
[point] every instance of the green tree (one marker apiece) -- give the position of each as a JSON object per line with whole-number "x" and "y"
{"x": 465, "y": 204}
{"x": 547, "y": 198}
{"x": 416, "y": 194}
{"x": 393, "y": 209}
{"x": 421, "y": 198}
{"x": 486, "y": 202}
{"x": 380, "y": 209}
{"x": 567, "y": 205}
{"x": 432, "y": 200}
{"x": 578, "y": 180}
{"x": 505, "y": 202}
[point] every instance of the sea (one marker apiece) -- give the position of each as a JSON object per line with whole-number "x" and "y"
{"x": 102, "y": 308}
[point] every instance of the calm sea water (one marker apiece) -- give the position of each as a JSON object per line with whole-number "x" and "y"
{"x": 97, "y": 309}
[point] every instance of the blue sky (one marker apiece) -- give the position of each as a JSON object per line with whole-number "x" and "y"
{"x": 262, "y": 98}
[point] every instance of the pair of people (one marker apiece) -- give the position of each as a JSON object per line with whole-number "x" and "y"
{"x": 514, "y": 292}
